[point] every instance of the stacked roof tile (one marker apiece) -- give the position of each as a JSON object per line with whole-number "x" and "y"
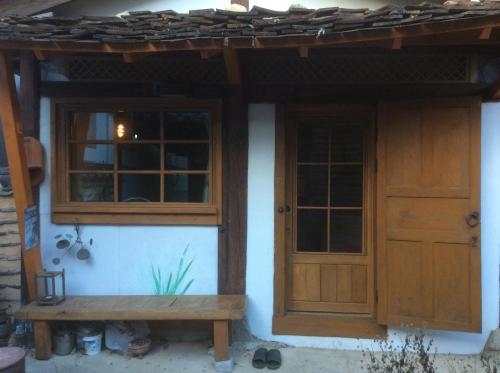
{"x": 144, "y": 26}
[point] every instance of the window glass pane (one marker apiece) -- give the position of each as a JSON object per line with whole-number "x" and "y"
{"x": 139, "y": 157}
{"x": 91, "y": 187}
{"x": 91, "y": 126}
{"x": 312, "y": 142}
{"x": 311, "y": 230}
{"x": 91, "y": 157}
{"x": 312, "y": 185}
{"x": 139, "y": 188}
{"x": 347, "y": 143}
{"x": 347, "y": 186}
{"x": 186, "y": 125}
{"x": 186, "y": 156}
{"x": 346, "y": 231}
{"x": 139, "y": 126}
{"x": 186, "y": 188}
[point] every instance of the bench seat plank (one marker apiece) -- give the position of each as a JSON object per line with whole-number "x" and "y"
{"x": 139, "y": 307}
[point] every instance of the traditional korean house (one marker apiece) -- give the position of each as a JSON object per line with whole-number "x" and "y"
{"x": 340, "y": 167}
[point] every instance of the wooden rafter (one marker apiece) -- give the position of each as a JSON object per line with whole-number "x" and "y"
{"x": 14, "y": 145}
{"x": 303, "y": 52}
{"x": 485, "y": 33}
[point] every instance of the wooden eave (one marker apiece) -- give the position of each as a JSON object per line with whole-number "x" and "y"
{"x": 471, "y": 31}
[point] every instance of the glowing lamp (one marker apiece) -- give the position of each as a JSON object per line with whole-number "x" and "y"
{"x": 120, "y": 130}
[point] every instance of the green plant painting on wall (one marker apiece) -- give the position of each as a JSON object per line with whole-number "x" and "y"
{"x": 174, "y": 282}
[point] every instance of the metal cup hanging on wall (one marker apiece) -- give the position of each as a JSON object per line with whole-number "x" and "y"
{"x": 77, "y": 248}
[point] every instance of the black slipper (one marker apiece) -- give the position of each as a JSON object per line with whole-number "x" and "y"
{"x": 273, "y": 359}
{"x": 259, "y": 360}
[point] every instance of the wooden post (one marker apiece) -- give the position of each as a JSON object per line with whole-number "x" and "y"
{"x": 43, "y": 340}
{"x": 233, "y": 233}
{"x": 16, "y": 156}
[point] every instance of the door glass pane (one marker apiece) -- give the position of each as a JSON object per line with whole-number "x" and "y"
{"x": 346, "y": 231}
{"x": 91, "y": 187}
{"x": 312, "y": 185}
{"x": 312, "y": 142}
{"x": 311, "y": 230}
{"x": 91, "y": 157}
{"x": 91, "y": 126}
{"x": 186, "y": 188}
{"x": 347, "y": 186}
{"x": 347, "y": 143}
{"x": 186, "y": 125}
{"x": 139, "y": 188}
{"x": 139, "y": 157}
{"x": 139, "y": 125}
{"x": 186, "y": 156}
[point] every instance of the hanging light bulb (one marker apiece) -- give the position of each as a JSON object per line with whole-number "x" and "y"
{"x": 120, "y": 130}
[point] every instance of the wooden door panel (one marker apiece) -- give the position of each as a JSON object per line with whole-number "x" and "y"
{"x": 329, "y": 283}
{"x": 428, "y": 182}
{"x": 329, "y": 288}
{"x": 451, "y": 264}
{"x": 427, "y": 219}
{"x": 305, "y": 282}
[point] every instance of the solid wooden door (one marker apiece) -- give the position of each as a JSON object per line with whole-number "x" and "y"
{"x": 428, "y": 203}
{"x": 329, "y": 186}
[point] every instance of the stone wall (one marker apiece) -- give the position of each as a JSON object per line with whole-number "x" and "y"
{"x": 10, "y": 257}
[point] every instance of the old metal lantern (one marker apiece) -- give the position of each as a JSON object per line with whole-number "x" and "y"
{"x": 50, "y": 287}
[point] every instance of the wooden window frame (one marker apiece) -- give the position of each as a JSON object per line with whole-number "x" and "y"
{"x": 137, "y": 213}
{"x": 312, "y": 323}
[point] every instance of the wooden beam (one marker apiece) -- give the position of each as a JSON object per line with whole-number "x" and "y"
{"x": 233, "y": 232}
{"x": 304, "y": 52}
{"x": 231, "y": 61}
{"x": 485, "y": 33}
{"x": 14, "y": 146}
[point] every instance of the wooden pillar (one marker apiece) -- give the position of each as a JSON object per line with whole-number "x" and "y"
{"x": 29, "y": 93}
{"x": 16, "y": 156}
{"x": 233, "y": 233}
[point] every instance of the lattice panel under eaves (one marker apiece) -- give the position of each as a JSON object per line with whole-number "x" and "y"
{"x": 168, "y": 69}
{"x": 360, "y": 68}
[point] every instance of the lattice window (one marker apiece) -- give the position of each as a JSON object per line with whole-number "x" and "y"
{"x": 360, "y": 68}
{"x": 168, "y": 69}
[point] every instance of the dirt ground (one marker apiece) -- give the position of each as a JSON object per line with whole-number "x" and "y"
{"x": 195, "y": 357}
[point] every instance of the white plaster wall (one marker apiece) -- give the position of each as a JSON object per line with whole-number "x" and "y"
{"x": 260, "y": 249}
{"x": 122, "y": 256}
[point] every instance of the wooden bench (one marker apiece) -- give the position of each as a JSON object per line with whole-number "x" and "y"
{"x": 221, "y": 309}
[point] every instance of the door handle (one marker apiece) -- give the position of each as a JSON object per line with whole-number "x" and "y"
{"x": 472, "y": 219}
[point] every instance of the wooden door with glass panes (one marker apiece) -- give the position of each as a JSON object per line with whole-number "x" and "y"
{"x": 329, "y": 193}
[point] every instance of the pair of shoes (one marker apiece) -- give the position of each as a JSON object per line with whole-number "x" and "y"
{"x": 263, "y": 357}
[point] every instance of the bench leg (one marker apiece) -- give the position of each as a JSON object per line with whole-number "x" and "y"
{"x": 223, "y": 360}
{"x": 43, "y": 340}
